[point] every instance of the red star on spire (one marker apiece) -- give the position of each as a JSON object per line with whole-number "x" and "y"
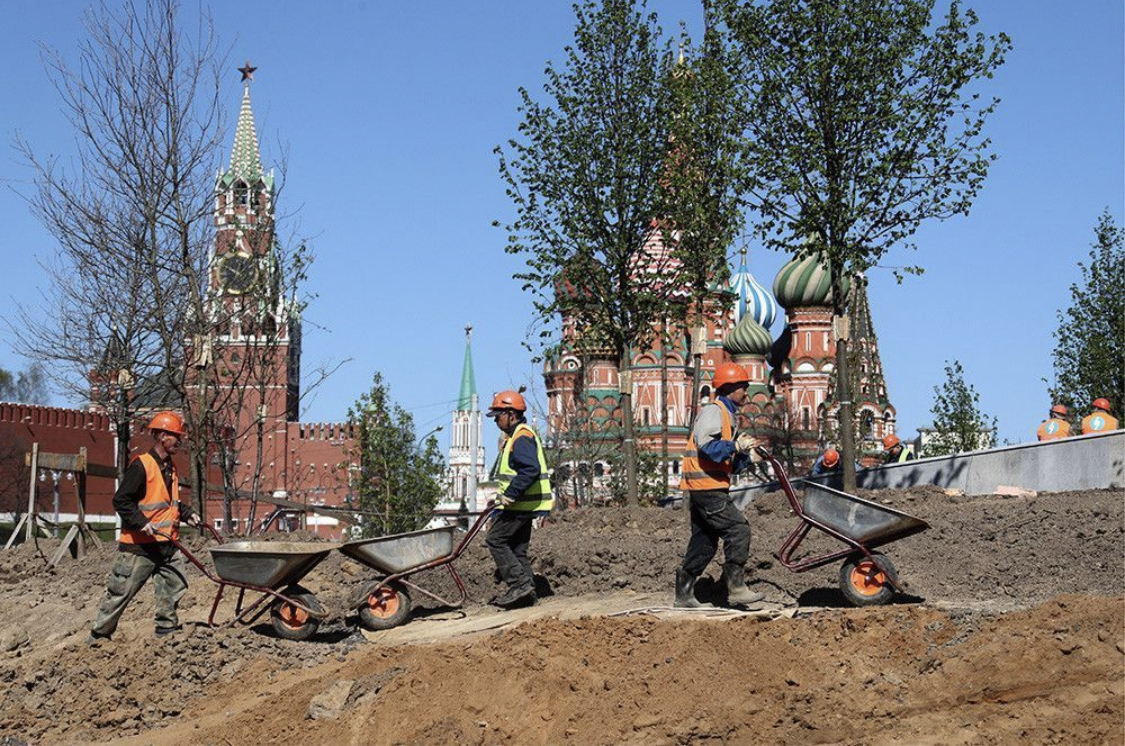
{"x": 247, "y": 71}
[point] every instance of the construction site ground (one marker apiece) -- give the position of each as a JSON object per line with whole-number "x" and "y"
{"x": 1013, "y": 631}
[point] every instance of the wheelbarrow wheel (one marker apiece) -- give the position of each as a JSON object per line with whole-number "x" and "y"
{"x": 385, "y": 607}
{"x": 292, "y": 622}
{"x": 863, "y": 583}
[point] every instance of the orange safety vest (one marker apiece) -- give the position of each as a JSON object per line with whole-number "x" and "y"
{"x": 1053, "y": 429}
{"x": 160, "y": 508}
{"x": 701, "y": 473}
{"x": 1098, "y": 422}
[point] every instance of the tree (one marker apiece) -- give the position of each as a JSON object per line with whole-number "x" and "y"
{"x": 1090, "y": 340}
{"x": 396, "y": 482}
{"x": 131, "y": 216}
{"x": 29, "y": 386}
{"x": 592, "y": 182}
{"x": 959, "y": 424}
{"x": 863, "y": 122}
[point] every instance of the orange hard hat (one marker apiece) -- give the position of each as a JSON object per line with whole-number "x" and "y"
{"x": 831, "y": 457}
{"x": 890, "y": 442}
{"x": 1102, "y": 404}
{"x": 169, "y": 422}
{"x": 507, "y": 400}
{"x": 1059, "y": 409}
{"x": 728, "y": 373}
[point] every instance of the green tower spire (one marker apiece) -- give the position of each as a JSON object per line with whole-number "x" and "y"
{"x": 245, "y": 160}
{"x": 468, "y": 380}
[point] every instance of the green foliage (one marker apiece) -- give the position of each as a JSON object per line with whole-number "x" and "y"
{"x": 585, "y": 177}
{"x": 862, "y": 119}
{"x": 959, "y": 425}
{"x": 26, "y": 387}
{"x": 397, "y": 482}
{"x": 1089, "y": 354}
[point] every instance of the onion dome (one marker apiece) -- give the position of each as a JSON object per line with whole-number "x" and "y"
{"x": 748, "y": 338}
{"x": 751, "y": 298}
{"x": 805, "y": 281}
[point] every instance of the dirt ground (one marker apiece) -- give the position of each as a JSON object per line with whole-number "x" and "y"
{"x": 1013, "y": 631}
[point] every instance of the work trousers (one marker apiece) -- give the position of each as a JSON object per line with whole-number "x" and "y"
{"x": 508, "y": 539}
{"x": 714, "y": 517}
{"x": 129, "y": 574}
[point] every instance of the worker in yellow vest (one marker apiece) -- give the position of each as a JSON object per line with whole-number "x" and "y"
{"x": 148, "y": 502}
{"x": 524, "y": 493}
{"x": 1056, "y": 425}
{"x": 1100, "y": 420}
{"x": 715, "y": 451}
{"x": 895, "y": 452}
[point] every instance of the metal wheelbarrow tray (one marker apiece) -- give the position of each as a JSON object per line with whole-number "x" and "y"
{"x": 273, "y": 569}
{"x": 386, "y": 602}
{"x": 866, "y": 577}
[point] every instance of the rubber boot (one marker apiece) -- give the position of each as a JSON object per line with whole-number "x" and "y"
{"x": 685, "y": 591}
{"x": 737, "y": 592}
{"x": 517, "y": 595}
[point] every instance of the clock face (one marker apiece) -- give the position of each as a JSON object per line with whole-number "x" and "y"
{"x": 238, "y": 273}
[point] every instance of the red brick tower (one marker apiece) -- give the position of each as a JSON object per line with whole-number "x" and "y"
{"x": 257, "y": 329}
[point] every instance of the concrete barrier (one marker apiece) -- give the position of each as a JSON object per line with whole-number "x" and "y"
{"x": 1085, "y": 462}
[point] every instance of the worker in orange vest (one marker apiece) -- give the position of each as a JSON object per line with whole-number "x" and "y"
{"x": 716, "y": 450}
{"x": 148, "y": 502}
{"x": 1100, "y": 420}
{"x": 1056, "y": 425}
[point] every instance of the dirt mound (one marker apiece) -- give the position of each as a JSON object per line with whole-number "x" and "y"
{"x": 944, "y": 659}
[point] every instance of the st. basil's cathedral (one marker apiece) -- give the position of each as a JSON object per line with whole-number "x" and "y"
{"x": 792, "y": 401}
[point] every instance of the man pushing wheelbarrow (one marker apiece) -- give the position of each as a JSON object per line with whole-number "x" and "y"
{"x": 715, "y": 451}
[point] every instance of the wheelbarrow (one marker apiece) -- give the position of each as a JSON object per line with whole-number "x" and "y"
{"x": 387, "y": 602}
{"x": 867, "y": 578}
{"x": 273, "y": 569}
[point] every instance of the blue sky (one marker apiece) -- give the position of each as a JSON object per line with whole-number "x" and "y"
{"x": 390, "y": 111}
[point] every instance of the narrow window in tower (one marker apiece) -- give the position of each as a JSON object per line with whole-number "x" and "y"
{"x": 241, "y": 194}
{"x": 644, "y": 412}
{"x": 808, "y": 341}
{"x": 826, "y": 341}
{"x": 805, "y": 417}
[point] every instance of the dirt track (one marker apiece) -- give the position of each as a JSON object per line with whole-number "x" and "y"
{"x": 1013, "y": 633}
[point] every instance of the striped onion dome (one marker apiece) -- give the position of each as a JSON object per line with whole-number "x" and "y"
{"x": 805, "y": 281}
{"x": 751, "y": 298}
{"x": 748, "y": 338}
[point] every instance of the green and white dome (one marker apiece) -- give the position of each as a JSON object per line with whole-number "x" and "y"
{"x": 748, "y": 338}
{"x": 805, "y": 281}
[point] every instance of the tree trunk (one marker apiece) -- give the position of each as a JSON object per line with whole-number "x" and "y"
{"x": 843, "y": 379}
{"x": 664, "y": 408}
{"x": 628, "y": 441}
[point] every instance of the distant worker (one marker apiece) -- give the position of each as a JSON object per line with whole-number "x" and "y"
{"x": 1056, "y": 425}
{"x": 523, "y": 493}
{"x": 148, "y": 502}
{"x": 715, "y": 451}
{"x": 896, "y": 452}
{"x": 828, "y": 463}
{"x": 1100, "y": 420}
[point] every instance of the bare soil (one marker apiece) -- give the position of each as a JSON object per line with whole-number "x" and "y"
{"x": 1013, "y": 631}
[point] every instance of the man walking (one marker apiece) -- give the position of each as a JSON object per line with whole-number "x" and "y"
{"x": 148, "y": 502}
{"x": 524, "y": 492}
{"x": 714, "y": 452}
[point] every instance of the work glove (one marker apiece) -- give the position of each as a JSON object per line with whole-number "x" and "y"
{"x": 745, "y": 443}
{"x": 503, "y": 501}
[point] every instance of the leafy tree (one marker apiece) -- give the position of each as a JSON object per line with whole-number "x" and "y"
{"x": 959, "y": 424}
{"x": 1090, "y": 339}
{"x": 594, "y": 180}
{"x": 27, "y": 387}
{"x": 397, "y": 481}
{"x": 863, "y": 122}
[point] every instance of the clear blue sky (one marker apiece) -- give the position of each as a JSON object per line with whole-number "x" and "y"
{"x": 390, "y": 112}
